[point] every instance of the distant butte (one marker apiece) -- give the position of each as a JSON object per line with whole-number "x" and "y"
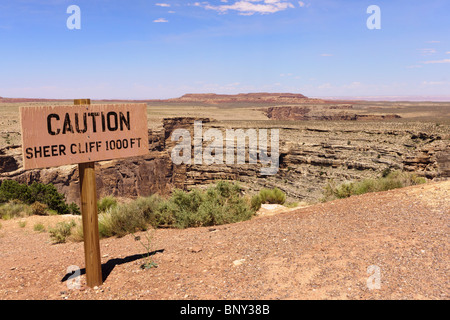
{"x": 261, "y": 97}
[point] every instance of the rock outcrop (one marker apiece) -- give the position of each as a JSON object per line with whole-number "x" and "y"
{"x": 329, "y": 113}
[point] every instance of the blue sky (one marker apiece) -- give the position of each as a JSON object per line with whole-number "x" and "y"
{"x": 149, "y": 49}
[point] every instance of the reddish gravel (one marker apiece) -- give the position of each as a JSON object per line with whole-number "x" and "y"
{"x": 318, "y": 252}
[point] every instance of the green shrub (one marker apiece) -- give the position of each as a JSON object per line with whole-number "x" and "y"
{"x": 36, "y": 192}
{"x": 48, "y": 195}
{"x": 292, "y": 204}
{"x": 106, "y": 203}
{"x": 272, "y": 196}
{"x": 256, "y": 202}
{"x": 219, "y": 204}
{"x": 39, "y": 209}
{"x": 224, "y": 204}
{"x": 127, "y": 218}
{"x": 39, "y": 227}
{"x": 74, "y": 209}
{"x": 388, "y": 181}
{"x": 12, "y": 190}
{"x": 61, "y": 232}
{"x": 14, "y": 209}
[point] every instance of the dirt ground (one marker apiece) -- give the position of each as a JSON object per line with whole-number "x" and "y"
{"x": 323, "y": 251}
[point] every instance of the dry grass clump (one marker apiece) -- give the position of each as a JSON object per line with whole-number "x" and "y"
{"x": 388, "y": 181}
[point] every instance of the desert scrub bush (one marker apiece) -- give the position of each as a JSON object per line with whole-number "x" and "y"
{"x": 14, "y": 209}
{"x": 388, "y": 181}
{"x": 127, "y": 218}
{"x": 106, "y": 203}
{"x": 274, "y": 196}
{"x": 271, "y": 196}
{"x": 39, "y": 209}
{"x": 39, "y": 227}
{"x": 12, "y": 190}
{"x": 36, "y": 192}
{"x": 148, "y": 244}
{"x": 218, "y": 204}
{"x": 294, "y": 204}
{"x": 224, "y": 204}
{"x": 256, "y": 202}
{"x": 74, "y": 209}
{"x": 61, "y": 231}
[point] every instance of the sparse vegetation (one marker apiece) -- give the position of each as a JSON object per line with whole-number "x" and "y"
{"x": 45, "y": 194}
{"x": 62, "y": 231}
{"x": 292, "y": 204}
{"x": 14, "y": 209}
{"x": 273, "y": 196}
{"x": 388, "y": 180}
{"x": 106, "y": 203}
{"x": 39, "y": 227}
{"x": 148, "y": 260}
{"x": 219, "y": 204}
{"x": 39, "y": 209}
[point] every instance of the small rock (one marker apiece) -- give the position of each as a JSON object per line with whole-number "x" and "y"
{"x": 195, "y": 249}
{"x": 238, "y": 262}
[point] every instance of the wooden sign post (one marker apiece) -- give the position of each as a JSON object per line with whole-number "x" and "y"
{"x": 89, "y": 212}
{"x": 83, "y": 134}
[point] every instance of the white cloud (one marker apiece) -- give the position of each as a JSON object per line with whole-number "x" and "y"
{"x": 249, "y": 7}
{"x": 326, "y": 55}
{"x": 427, "y": 51}
{"x": 303, "y": 4}
{"x": 162, "y": 4}
{"x": 437, "y": 61}
{"x": 161, "y": 20}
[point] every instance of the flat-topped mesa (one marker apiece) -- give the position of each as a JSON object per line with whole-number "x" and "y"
{"x": 259, "y": 97}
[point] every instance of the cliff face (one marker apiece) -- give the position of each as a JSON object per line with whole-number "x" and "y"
{"x": 329, "y": 113}
{"x": 311, "y": 153}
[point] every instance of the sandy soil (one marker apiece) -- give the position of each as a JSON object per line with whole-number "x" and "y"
{"x": 317, "y": 252}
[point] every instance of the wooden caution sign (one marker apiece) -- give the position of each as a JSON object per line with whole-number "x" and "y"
{"x": 61, "y": 135}
{"x": 83, "y": 134}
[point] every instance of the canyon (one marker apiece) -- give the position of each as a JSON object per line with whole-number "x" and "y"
{"x": 313, "y": 151}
